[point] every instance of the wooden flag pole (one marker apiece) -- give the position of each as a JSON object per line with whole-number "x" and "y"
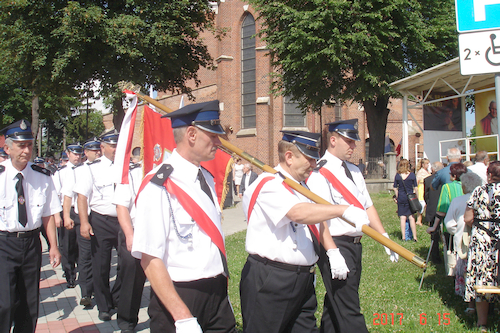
{"x": 401, "y": 251}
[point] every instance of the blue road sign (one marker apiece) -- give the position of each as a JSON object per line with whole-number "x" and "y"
{"x": 475, "y": 15}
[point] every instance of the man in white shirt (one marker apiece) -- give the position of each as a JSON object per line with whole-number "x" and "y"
{"x": 98, "y": 186}
{"x": 282, "y": 241}
{"x": 68, "y": 238}
{"x": 178, "y": 233}
{"x": 28, "y": 204}
{"x": 481, "y": 165}
{"x": 341, "y": 183}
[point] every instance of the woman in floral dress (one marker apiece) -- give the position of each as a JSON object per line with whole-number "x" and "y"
{"x": 483, "y": 215}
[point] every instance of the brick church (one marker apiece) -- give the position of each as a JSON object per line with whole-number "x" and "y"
{"x": 251, "y": 115}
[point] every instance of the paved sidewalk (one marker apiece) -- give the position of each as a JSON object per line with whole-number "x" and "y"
{"x": 60, "y": 309}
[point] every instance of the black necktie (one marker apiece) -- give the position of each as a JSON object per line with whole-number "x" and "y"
{"x": 347, "y": 172}
{"x": 204, "y": 186}
{"x": 21, "y": 201}
{"x": 206, "y": 189}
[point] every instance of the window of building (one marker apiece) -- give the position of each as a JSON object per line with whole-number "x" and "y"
{"x": 292, "y": 114}
{"x": 248, "y": 78}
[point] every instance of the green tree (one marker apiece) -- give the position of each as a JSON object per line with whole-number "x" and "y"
{"x": 351, "y": 50}
{"x": 55, "y": 45}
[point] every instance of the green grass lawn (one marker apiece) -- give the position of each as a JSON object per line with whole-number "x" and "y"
{"x": 390, "y": 299}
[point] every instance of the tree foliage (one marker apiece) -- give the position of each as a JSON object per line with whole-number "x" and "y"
{"x": 54, "y": 45}
{"x": 351, "y": 50}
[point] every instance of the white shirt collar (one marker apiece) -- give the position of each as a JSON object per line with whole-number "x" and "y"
{"x": 189, "y": 170}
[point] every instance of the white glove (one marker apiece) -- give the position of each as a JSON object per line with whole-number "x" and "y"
{"x": 392, "y": 255}
{"x": 337, "y": 264}
{"x": 357, "y": 216}
{"x": 189, "y": 325}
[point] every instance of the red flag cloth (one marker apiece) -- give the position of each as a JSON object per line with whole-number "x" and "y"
{"x": 159, "y": 143}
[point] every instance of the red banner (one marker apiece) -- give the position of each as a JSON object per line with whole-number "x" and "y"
{"x": 159, "y": 144}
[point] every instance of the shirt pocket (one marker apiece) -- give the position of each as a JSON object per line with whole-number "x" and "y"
{"x": 8, "y": 210}
{"x": 37, "y": 203}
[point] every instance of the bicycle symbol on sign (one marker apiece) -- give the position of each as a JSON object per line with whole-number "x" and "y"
{"x": 494, "y": 49}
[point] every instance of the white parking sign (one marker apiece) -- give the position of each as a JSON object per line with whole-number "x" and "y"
{"x": 479, "y": 52}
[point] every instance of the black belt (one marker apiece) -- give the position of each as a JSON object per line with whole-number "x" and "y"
{"x": 20, "y": 234}
{"x": 349, "y": 239}
{"x": 288, "y": 267}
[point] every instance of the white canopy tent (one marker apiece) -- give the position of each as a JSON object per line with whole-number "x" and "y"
{"x": 444, "y": 79}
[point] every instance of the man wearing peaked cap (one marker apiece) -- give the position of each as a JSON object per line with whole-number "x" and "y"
{"x": 30, "y": 203}
{"x": 68, "y": 237}
{"x": 178, "y": 234}
{"x": 92, "y": 150}
{"x": 202, "y": 115}
{"x": 341, "y": 309}
{"x": 283, "y": 236}
{"x": 95, "y": 189}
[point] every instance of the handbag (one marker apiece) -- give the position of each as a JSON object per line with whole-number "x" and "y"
{"x": 415, "y": 205}
{"x": 450, "y": 260}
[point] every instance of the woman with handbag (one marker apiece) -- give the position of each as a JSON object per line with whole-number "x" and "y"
{"x": 405, "y": 186}
{"x": 483, "y": 215}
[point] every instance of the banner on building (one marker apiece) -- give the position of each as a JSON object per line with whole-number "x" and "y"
{"x": 443, "y": 115}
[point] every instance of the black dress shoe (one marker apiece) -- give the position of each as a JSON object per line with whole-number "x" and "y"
{"x": 71, "y": 284}
{"x": 104, "y": 316}
{"x": 86, "y": 301}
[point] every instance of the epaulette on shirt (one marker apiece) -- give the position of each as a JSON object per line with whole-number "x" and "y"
{"x": 162, "y": 174}
{"x": 94, "y": 161}
{"x": 2, "y": 168}
{"x": 76, "y": 166}
{"x": 320, "y": 165}
{"x": 35, "y": 167}
{"x": 134, "y": 166}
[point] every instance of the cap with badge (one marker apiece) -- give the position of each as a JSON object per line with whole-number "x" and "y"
{"x": 18, "y": 131}
{"x": 306, "y": 142}
{"x": 75, "y": 148}
{"x": 92, "y": 144}
{"x": 38, "y": 160}
{"x": 202, "y": 115}
{"x": 346, "y": 128}
{"x": 64, "y": 156}
{"x": 110, "y": 137}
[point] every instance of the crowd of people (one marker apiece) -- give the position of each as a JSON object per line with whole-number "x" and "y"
{"x": 461, "y": 206}
{"x": 166, "y": 227}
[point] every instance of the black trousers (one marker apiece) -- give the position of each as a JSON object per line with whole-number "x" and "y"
{"x": 341, "y": 311}
{"x": 277, "y": 300}
{"x": 105, "y": 237}
{"x": 206, "y": 299}
{"x": 132, "y": 279}
{"x": 20, "y": 261}
{"x": 85, "y": 280}
{"x": 68, "y": 246}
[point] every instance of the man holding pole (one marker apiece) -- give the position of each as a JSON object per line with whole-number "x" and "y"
{"x": 342, "y": 183}
{"x": 283, "y": 235}
{"x": 178, "y": 234}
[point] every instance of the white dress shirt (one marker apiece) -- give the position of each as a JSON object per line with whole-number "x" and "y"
{"x": 39, "y": 192}
{"x": 98, "y": 186}
{"x": 125, "y": 194}
{"x": 186, "y": 250}
{"x": 322, "y": 187}
{"x": 272, "y": 235}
